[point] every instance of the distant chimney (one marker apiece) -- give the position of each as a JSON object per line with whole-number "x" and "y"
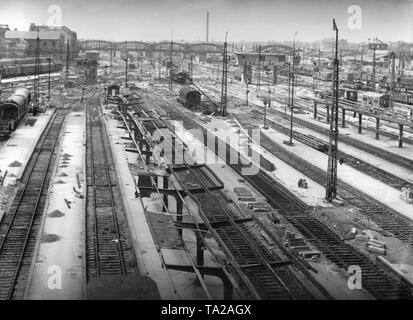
{"x": 207, "y": 26}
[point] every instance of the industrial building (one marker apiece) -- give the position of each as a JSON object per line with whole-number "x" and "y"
{"x": 52, "y": 41}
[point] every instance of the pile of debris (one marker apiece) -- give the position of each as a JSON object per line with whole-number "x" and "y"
{"x": 373, "y": 245}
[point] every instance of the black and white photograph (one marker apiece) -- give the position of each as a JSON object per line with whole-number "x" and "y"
{"x": 206, "y": 154}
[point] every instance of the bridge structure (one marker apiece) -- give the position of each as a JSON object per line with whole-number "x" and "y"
{"x": 165, "y": 46}
{"x": 277, "y": 49}
{"x": 151, "y": 47}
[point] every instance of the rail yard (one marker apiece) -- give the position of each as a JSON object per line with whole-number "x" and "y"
{"x": 209, "y": 170}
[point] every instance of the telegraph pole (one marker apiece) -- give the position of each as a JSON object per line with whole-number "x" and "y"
{"x": 48, "y": 85}
{"x": 374, "y": 65}
{"x": 159, "y": 65}
{"x": 67, "y": 60}
{"x": 191, "y": 67}
{"x": 265, "y": 107}
{"x": 36, "y": 83}
{"x": 246, "y": 77}
{"x": 126, "y": 71}
{"x": 81, "y": 98}
{"x": 289, "y": 88}
{"x": 224, "y": 80}
{"x": 246, "y": 94}
{"x": 292, "y": 94}
{"x": 361, "y": 61}
{"x": 106, "y": 74}
{"x": 392, "y": 58}
{"x": 259, "y": 68}
{"x": 111, "y": 53}
{"x": 170, "y": 58}
{"x": 331, "y": 186}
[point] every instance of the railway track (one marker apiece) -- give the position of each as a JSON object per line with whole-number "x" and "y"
{"x": 108, "y": 248}
{"x": 376, "y": 281}
{"x": 245, "y": 250}
{"x": 21, "y": 225}
{"x": 378, "y": 152}
{"x": 380, "y": 284}
{"x": 390, "y": 221}
{"x": 277, "y": 284}
{"x": 356, "y": 163}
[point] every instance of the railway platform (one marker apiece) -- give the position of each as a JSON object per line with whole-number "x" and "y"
{"x": 16, "y": 151}
{"x": 150, "y": 255}
{"x": 60, "y": 251}
{"x": 356, "y": 109}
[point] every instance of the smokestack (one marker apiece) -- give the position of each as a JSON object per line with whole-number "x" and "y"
{"x": 207, "y": 26}
{"x": 409, "y": 19}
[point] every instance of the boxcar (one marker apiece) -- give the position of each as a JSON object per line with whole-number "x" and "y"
{"x": 403, "y": 97}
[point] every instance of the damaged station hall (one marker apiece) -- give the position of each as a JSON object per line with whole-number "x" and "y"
{"x": 160, "y": 158}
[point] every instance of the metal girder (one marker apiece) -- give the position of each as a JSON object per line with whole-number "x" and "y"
{"x": 199, "y": 47}
{"x": 215, "y": 225}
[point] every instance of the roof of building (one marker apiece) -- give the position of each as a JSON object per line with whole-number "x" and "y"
{"x": 32, "y": 35}
{"x": 34, "y": 27}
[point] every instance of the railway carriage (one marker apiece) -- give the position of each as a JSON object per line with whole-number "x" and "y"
{"x": 26, "y": 67}
{"x": 13, "y": 108}
{"x": 8, "y": 71}
{"x": 374, "y": 102}
{"x": 190, "y": 98}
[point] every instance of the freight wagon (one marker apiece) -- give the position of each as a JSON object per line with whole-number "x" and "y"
{"x": 305, "y": 70}
{"x": 17, "y": 68}
{"x": 13, "y": 109}
{"x": 374, "y": 102}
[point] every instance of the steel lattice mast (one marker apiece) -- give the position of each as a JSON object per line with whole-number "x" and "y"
{"x": 224, "y": 79}
{"x": 331, "y": 186}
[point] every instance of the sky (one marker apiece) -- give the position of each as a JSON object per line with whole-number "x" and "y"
{"x": 258, "y": 20}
